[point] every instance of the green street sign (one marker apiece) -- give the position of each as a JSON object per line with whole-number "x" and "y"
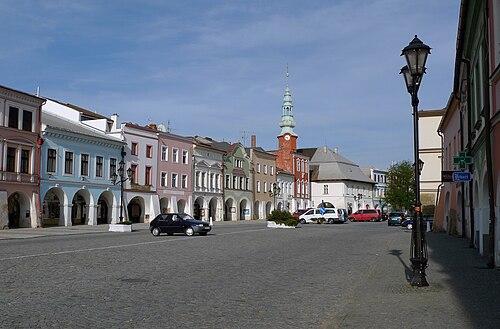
{"x": 462, "y": 160}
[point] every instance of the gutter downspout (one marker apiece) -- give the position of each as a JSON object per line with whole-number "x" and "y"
{"x": 440, "y": 186}
{"x": 489, "y": 161}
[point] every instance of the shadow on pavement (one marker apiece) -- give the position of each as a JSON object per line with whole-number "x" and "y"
{"x": 464, "y": 271}
{"x": 408, "y": 271}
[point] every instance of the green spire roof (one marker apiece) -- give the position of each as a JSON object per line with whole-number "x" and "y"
{"x": 287, "y": 123}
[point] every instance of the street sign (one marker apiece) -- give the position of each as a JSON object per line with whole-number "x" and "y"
{"x": 446, "y": 176}
{"x": 462, "y": 160}
{"x": 322, "y": 210}
{"x": 462, "y": 176}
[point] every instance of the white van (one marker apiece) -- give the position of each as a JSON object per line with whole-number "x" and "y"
{"x": 313, "y": 215}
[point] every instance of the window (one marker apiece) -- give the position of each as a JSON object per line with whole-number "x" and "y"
{"x": 133, "y": 179}
{"x": 13, "y": 117}
{"x": 265, "y": 169}
{"x": 112, "y": 166}
{"x": 258, "y": 186}
{"x": 185, "y": 157}
{"x": 325, "y": 189}
{"x": 27, "y": 120}
{"x": 164, "y": 153}
{"x": 11, "y": 159}
{"x": 227, "y": 181}
{"x": 147, "y": 177}
{"x": 242, "y": 187}
{"x": 271, "y": 169}
{"x": 258, "y": 167}
{"x": 238, "y": 163}
{"x": 265, "y": 187}
{"x": 25, "y": 161}
{"x": 99, "y": 162}
{"x": 234, "y": 182}
{"x": 68, "y": 163}
{"x": 175, "y": 155}
{"x": 247, "y": 185}
{"x": 203, "y": 179}
{"x": 303, "y": 167}
{"x": 149, "y": 151}
{"x": 134, "y": 149}
{"x": 163, "y": 179}
{"x": 184, "y": 181}
{"x": 174, "y": 180}
{"x": 298, "y": 165}
{"x": 84, "y": 165}
{"x": 51, "y": 160}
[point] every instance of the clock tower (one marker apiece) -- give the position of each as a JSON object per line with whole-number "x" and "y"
{"x": 287, "y": 139}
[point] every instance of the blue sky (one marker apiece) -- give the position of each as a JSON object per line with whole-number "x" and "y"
{"x": 217, "y": 68}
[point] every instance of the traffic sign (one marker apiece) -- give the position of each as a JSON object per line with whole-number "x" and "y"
{"x": 462, "y": 176}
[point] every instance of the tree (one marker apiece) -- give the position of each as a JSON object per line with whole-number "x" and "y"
{"x": 401, "y": 187}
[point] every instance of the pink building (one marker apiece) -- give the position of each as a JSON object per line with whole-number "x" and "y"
{"x": 20, "y": 145}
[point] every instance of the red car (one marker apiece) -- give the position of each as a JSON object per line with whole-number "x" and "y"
{"x": 365, "y": 215}
{"x": 299, "y": 212}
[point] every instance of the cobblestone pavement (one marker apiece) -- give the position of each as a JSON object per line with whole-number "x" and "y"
{"x": 244, "y": 275}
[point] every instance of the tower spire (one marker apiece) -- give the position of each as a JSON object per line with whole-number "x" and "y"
{"x": 287, "y": 122}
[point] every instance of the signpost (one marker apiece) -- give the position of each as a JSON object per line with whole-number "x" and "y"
{"x": 455, "y": 176}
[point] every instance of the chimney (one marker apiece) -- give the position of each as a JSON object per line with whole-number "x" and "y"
{"x": 152, "y": 126}
{"x": 325, "y": 149}
{"x": 254, "y": 141}
{"x": 336, "y": 150}
{"x": 114, "y": 118}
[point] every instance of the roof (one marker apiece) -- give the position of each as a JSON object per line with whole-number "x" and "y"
{"x": 87, "y": 113}
{"x": 327, "y": 165}
{"x": 59, "y": 123}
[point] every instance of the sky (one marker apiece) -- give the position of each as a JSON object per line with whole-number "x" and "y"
{"x": 217, "y": 68}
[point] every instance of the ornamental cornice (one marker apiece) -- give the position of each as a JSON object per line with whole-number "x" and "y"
{"x": 83, "y": 139}
{"x": 21, "y": 97}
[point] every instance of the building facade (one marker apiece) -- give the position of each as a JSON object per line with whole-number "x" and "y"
{"x": 77, "y": 164}
{"x": 208, "y": 192}
{"x": 379, "y": 176}
{"x": 20, "y": 146}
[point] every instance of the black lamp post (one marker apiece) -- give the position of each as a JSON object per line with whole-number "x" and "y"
{"x": 274, "y": 192}
{"x": 416, "y": 55}
{"x": 123, "y": 179}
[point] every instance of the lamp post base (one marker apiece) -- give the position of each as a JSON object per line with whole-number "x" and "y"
{"x": 419, "y": 279}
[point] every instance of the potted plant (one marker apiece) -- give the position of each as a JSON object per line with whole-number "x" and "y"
{"x": 282, "y": 219}
{"x": 125, "y": 226}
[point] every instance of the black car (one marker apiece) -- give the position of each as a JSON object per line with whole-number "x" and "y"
{"x": 178, "y": 223}
{"x": 408, "y": 223}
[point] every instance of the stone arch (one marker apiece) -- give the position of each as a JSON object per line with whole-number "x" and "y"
{"x": 136, "y": 210}
{"x": 105, "y": 204}
{"x": 229, "y": 209}
{"x": 164, "y": 206}
{"x": 212, "y": 208}
{"x": 245, "y": 211}
{"x": 80, "y": 207}
{"x": 269, "y": 208}
{"x": 181, "y": 205}
{"x": 53, "y": 207}
{"x": 198, "y": 208}
{"x": 256, "y": 209}
{"x": 19, "y": 208}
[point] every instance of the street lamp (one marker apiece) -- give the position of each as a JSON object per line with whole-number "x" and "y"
{"x": 123, "y": 179}
{"x": 274, "y": 192}
{"x": 358, "y": 198}
{"x": 416, "y": 55}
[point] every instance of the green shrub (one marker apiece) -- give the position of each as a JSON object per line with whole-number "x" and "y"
{"x": 283, "y": 217}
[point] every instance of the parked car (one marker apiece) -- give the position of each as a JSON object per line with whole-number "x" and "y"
{"x": 343, "y": 214}
{"x": 395, "y": 218}
{"x": 299, "y": 212}
{"x": 178, "y": 223}
{"x": 314, "y": 215}
{"x": 364, "y": 215}
{"x": 408, "y": 222}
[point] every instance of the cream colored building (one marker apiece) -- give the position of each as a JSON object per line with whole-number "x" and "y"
{"x": 430, "y": 152}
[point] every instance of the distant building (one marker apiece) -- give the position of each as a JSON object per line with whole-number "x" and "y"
{"x": 338, "y": 180}
{"x": 379, "y": 176}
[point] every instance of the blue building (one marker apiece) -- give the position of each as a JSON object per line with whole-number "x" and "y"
{"x": 77, "y": 165}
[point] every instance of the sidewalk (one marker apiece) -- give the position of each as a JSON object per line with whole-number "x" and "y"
{"x": 462, "y": 292}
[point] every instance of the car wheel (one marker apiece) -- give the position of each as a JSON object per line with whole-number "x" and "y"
{"x": 189, "y": 231}
{"x": 302, "y": 221}
{"x": 409, "y": 226}
{"x": 374, "y": 219}
{"x": 156, "y": 231}
{"x": 203, "y": 233}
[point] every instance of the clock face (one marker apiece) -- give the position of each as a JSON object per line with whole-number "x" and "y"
{"x": 287, "y": 137}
